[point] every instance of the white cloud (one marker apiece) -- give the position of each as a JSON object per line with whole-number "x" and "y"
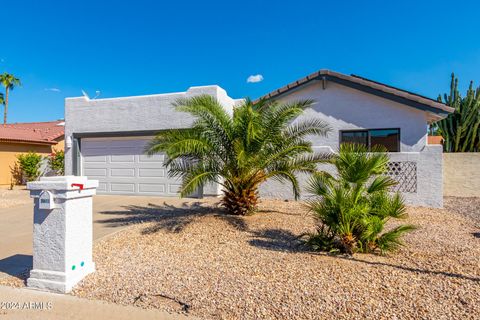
{"x": 53, "y": 89}
{"x": 255, "y": 78}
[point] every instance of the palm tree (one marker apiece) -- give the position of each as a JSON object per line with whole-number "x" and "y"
{"x": 9, "y": 81}
{"x": 242, "y": 151}
{"x": 352, "y": 207}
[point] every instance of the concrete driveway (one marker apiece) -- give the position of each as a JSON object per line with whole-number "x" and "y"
{"x": 109, "y": 216}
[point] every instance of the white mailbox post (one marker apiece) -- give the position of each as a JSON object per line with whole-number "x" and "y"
{"x": 62, "y": 232}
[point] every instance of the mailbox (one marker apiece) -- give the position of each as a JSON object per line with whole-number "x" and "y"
{"x": 46, "y": 200}
{"x": 62, "y": 232}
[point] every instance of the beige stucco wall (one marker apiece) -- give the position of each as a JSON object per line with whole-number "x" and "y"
{"x": 9, "y": 152}
{"x": 461, "y": 174}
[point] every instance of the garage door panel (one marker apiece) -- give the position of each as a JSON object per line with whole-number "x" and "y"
{"x": 95, "y": 159}
{"x": 122, "y": 158}
{"x": 122, "y": 173}
{"x": 174, "y": 188}
{"x": 122, "y": 187}
{"x": 151, "y": 173}
{"x": 138, "y": 144}
{"x": 102, "y": 187}
{"x": 159, "y": 158}
{"x": 94, "y": 144}
{"x": 121, "y": 167}
{"x": 122, "y": 151}
{"x": 151, "y": 187}
{"x": 97, "y": 173}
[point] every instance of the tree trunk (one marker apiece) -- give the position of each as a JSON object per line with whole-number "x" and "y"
{"x": 5, "y": 110}
{"x": 349, "y": 243}
{"x": 243, "y": 202}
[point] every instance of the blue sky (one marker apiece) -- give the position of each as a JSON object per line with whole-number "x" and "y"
{"x": 140, "y": 47}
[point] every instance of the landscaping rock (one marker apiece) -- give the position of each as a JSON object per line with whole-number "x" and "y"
{"x": 192, "y": 259}
{"x": 195, "y": 260}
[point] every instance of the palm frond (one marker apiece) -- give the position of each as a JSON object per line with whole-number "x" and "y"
{"x": 381, "y": 183}
{"x": 391, "y": 240}
{"x": 355, "y": 203}
{"x": 240, "y": 151}
{"x": 308, "y": 127}
{"x": 321, "y": 183}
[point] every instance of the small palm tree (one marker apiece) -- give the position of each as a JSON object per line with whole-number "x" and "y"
{"x": 242, "y": 151}
{"x": 9, "y": 81}
{"x": 353, "y": 206}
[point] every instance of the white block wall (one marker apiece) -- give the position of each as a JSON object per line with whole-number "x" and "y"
{"x": 429, "y": 179}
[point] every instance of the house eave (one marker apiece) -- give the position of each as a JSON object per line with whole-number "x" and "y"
{"x": 371, "y": 87}
{"x": 19, "y": 141}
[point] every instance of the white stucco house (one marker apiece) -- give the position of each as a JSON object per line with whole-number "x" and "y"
{"x": 105, "y": 138}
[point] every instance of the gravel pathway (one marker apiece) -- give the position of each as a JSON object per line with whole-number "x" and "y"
{"x": 191, "y": 259}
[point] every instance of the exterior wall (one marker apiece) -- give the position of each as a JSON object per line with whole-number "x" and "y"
{"x": 60, "y": 146}
{"x": 429, "y": 164}
{"x": 345, "y": 108}
{"x": 428, "y": 177}
{"x": 130, "y": 114}
{"x": 9, "y": 152}
{"x": 461, "y": 174}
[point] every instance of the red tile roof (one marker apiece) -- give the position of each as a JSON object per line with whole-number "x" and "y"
{"x": 33, "y": 132}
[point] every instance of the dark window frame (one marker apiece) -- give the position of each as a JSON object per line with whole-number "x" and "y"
{"x": 369, "y": 146}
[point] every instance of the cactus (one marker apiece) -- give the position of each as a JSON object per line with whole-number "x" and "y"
{"x": 460, "y": 130}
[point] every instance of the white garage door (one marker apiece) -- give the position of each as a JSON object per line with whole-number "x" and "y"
{"x": 121, "y": 167}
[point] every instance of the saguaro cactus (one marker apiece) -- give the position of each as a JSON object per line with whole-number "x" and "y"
{"x": 460, "y": 130}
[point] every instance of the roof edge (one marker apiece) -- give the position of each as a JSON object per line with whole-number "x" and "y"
{"x": 369, "y": 86}
{"x": 36, "y": 142}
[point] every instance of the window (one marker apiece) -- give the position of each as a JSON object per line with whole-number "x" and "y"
{"x": 360, "y": 137}
{"x": 388, "y": 138}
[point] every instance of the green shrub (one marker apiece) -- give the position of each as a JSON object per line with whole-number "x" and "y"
{"x": 56, "y": 161}
{"x": 353, "y": 206}
{"x": 29, "y": 164}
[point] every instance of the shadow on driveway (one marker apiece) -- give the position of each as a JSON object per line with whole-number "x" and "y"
{"x": 15, "y": 265}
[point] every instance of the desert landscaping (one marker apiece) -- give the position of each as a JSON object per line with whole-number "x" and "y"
{"x": 172, "y": 161}
{"x": 185, "y": 256}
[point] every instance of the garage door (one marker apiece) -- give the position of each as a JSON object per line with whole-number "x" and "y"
{"x": 121, "y": 167}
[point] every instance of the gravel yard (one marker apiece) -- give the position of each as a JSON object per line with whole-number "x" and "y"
{"x": 10, "y": 198}
{"x": 189, "y": 258}
{"x": 468, "y": 207}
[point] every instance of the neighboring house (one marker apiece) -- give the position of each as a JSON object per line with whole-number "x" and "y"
{"x": 106, "y": 137}
{"x": 19, "y": 138}
{"x": 435, "y": 140}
